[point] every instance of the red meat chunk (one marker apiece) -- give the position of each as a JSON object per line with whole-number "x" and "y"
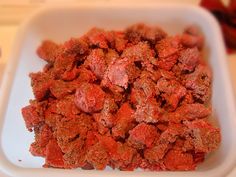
{"x": 155, "y": 154}
{"x": 124, "y": 121}
{"x": 171, "y": 91}
{"x": 69, "y": 130}
{"x": 42, "y": 137}
{"x": 193, "y": 37}
{"x": 125, "y": 157}
{"x": 66, "y": 107}
{"x": 40, "y": 83}
{"x": 178, "y": 160}
{"x": 33, "y": 114}
{"x": 117, "y": 73}
{"x": 149, "y": 111}
{"x": 168, "y": 62}
{"x": 31, "y": 117}
{"x": 70, "y": 75}
{"x": 106, "y": 117}
{"x": 98, "y": 157}
{"x": 143, "y": 135}
{"x": 54, "y": 155}
{"x": 189, "y": 112}
{"x": 139, "y": 52}
{"x": 97, "y": 37}
{"x": 189, "y": 40}
{"x": 89, "y": 97}
{"x": 85, "y": 75}
{"x": 111, "y": 56}
{"x": 146, "y": 85}
{"x": 200, "y": 83}
{"x": 75, "y": 155}
{"x": 117, "y": 40}
{"x": 140, "y": 31}
{"x": 206, "y": 138}
{"x": 60, "y": 88}
{"x": 164, "y": 143}
{"x": 48, "y": 51}
{"x": 168, "y": 46}
{"x": 62, "y": 64}
{"x": 189, "y": 59}
{"x": 75, "y": 46}
{"x": 96, "y": 62}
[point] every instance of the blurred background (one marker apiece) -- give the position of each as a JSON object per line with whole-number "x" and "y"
{"x": 13, "y": 12}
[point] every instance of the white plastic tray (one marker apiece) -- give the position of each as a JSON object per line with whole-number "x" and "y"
{"x": 61, "y": 23}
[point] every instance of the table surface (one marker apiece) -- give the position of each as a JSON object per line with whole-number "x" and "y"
{"x": 9, "y": 24}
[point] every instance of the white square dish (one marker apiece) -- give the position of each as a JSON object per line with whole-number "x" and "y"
{"x": 61, "y": 23}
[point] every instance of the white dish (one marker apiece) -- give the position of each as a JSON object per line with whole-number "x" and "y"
{"x": 61, "y": 23}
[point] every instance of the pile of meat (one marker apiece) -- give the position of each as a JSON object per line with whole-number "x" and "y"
{"x": 137, "y": 98}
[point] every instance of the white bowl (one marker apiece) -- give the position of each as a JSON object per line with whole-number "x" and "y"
{"x": 61, "y": 23}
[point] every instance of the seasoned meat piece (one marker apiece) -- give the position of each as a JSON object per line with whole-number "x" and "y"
{"x": 66, "y": 107}
{"x": 106, "y": 117}
{"x": 189, "y": 40}
{"x": 117, "y": 40}
{"x": 149, "y": 111}
{"x": 75, "y": 155}
{"x": 89, "y": 97}
{"x": 189, "y": 59}
{"x": 139, "y": 52}
{"x": 168, "y": 46}
{"x": 111, "y": 56}
{"x": 178, "y": 160}
{"x": 143, "y": 89}
{"x": 69, "y": 130}
{"x": 85, "y": 75}
{"x": 171, "y": 91}
{"x": 48, "y": 51}
{"x": 168, "y": 62}
{"x": 124, "y": 156}
{"x": 164, "y": 143}
{"x": 31, "y": 117}
{"x": 124, "y": 121}
{"x": 60, "y": 88}
{"x": 205, "y": 137}
{"x": 137, "y": 96}
{"x": 42, "y": 137}
{"x": 71, "y": 74}
{"x": 40, "y": 83}
{"x": 96, "y": 62}
{"x": 33, "y": 114}
{"x": 146, "y": 85}
{"x": 188, "y": 98}
{"x": 117, "y": 73}
{"x": 188, "y": 112}
{"x": 54, "y": 155}
{"x": 52, "y": 118}
{"x": 97, "y": 157}
{"x": 151, "y": 73}
{"x": 155, "y": 154}
{"x": 62, "y": 64}
{"x": 140, "y": 31}
{"x": 120, "y": 72}
{"x": 75, "y": 46}
{"x": 200, "y": 83}
{"x": 97, "y": 37}
{"x": 193, "y": 37}
{"x": 143, "y": 135}
{"x": 167, "y": 74}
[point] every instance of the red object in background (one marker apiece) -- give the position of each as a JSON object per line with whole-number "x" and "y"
{"x": 226, "y": 15}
